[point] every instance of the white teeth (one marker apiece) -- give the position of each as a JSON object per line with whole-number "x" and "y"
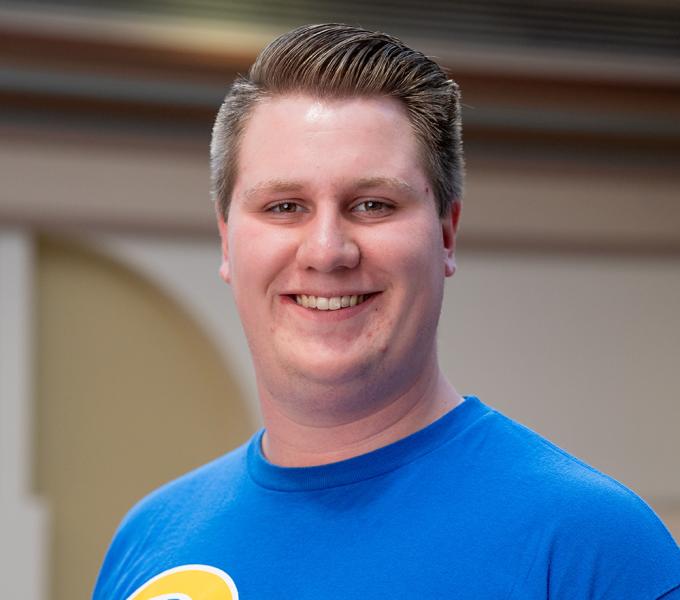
{"x": 332, "y": 303}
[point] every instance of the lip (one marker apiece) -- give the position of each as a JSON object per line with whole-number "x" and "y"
{"x": 329, "y": 315}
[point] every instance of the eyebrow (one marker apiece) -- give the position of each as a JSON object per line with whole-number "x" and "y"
{"x": 364, "y": 183}
{"x": 390, "y": 182}
{"x": 273, "y": 185}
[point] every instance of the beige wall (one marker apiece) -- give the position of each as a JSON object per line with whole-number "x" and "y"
{"x": 130, "y": 394}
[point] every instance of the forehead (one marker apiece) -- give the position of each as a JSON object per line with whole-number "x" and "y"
{"x": 301, "y": 137}
{"x": 286, "y": 108}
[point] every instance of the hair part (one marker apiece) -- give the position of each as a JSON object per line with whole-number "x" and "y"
{"x": 341, "y": 61}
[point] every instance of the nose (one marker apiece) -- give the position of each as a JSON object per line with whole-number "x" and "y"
{"x": 327, "y": 244}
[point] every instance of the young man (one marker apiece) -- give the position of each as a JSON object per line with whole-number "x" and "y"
{"x": 337, "y": 172}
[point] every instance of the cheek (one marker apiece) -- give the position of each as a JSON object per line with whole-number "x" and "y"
{"x": 418, "y": 251}
{"x": 422, "y": 267}
{"x": 257, "y": 256}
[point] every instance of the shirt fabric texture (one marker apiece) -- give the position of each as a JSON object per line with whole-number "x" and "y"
{"x": 474, "y": 506}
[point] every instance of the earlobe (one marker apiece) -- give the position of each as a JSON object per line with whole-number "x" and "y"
{"x": 224, "y": 271}
{"x": 224, "y": 266}
{"x": 449, "y": 231}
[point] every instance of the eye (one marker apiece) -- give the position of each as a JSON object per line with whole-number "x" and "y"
{"x": 285, "y": 208}
{"x": 373, "y": 207}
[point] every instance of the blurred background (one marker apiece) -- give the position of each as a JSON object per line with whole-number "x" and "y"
{"x": 122, "y": 361}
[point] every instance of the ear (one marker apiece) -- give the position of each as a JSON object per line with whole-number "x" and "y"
{"x": 449, "y": 232}
{"x": 222, "y": 226}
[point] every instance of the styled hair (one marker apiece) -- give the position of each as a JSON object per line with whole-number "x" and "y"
{"x": 341, "y": 61}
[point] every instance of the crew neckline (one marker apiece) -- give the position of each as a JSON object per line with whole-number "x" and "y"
{"x": 365, "y": 466}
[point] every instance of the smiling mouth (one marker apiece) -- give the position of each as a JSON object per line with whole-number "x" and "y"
{"x": 331, "y": 303}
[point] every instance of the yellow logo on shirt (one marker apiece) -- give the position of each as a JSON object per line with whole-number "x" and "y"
{"x": 188, "y": 582}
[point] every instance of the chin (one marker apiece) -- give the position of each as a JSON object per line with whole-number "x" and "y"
{"x": 338, "y": 371}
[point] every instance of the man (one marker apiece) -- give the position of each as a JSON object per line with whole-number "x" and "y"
{"x": 337, "y": 172}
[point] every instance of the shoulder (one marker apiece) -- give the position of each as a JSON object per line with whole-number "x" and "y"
{"x": 170, "y": 512}
{"x": 561, "y": 483}
{"x": 191, "y": 490}
{"x": 591, "y": 532}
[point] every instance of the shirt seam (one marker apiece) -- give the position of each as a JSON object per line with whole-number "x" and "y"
{"x": 376, "y": 475}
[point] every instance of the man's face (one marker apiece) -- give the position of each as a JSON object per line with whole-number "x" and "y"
{"x": 333, "y": 246}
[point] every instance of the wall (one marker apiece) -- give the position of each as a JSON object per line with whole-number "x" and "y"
{"x": 130, "y": 394}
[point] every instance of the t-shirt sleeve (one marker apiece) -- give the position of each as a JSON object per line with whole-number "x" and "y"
{"x": 611, "y": 546}
{"x": 673, "y": 594}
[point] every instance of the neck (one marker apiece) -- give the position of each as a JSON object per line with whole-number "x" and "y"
{"x": 295, "y": 442}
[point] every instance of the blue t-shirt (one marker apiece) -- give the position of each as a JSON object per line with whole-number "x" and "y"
{"x": 474, "y": 506}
